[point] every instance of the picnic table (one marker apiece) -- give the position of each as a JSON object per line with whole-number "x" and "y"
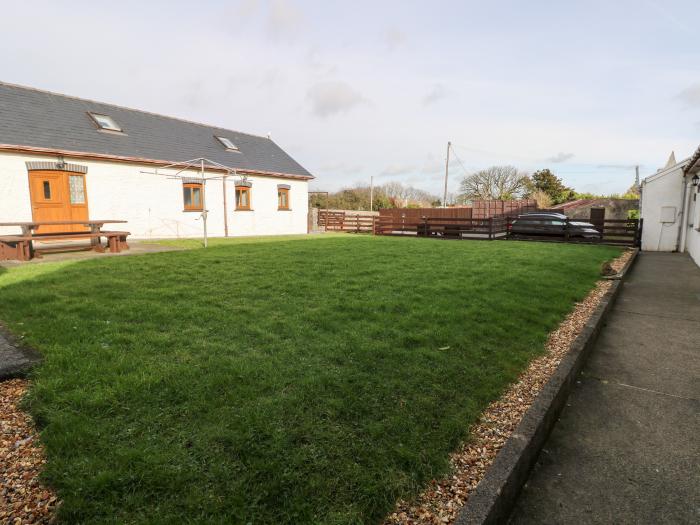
{"x": 21, "y": 246}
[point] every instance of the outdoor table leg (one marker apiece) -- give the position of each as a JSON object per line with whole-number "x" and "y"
{"x": 95, "y": 242}
{"x": 28, "y": 249}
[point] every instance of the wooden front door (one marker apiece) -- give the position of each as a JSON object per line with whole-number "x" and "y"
{"x": 58, "y": 196}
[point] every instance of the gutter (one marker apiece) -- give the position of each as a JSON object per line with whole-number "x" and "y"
{"x": 14, "y": 148}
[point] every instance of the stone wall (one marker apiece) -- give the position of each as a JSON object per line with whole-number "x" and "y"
{"x": 615, "y": 209}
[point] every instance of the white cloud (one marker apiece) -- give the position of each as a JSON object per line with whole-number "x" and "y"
{"x": 257, "y": 68}
{"x": 317, "y": 64}
{"x": 330, "y": 98}
{"x": 433, "y": 165}
{"x": 397, "y": 169}
{"x": 394, "y": 38}
{"x": 284, "y": 19}
{"x": 341, "y": 168}
{"x": 616, "y": 166}
{"x": 560, "y": 157}
{"x": 436, "y": 93}
{"x": 690, "y": 96}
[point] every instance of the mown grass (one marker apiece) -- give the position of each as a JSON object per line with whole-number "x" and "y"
{"x": 191, "y": 244}
{"x": 278, "y": 382}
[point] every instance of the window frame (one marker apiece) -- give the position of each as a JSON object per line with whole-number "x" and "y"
{"x": 46, "y": 185}
{"x": 192, "y": 186}
{"x": 285, "y": 192}
{"x": 83, "y": 189}
{"x": 227, "y": 143}
{"x": 247, "y": 189}
{"x": 114, "y": 128}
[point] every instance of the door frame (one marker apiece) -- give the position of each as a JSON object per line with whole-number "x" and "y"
{"x": 66, "y": 171}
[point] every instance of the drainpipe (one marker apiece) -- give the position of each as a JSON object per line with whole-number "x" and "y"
{"x": 683, "y": 233}
{"x": 223, "y": 183}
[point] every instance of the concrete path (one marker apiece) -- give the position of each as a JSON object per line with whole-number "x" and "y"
{"x": 627, "y": 446}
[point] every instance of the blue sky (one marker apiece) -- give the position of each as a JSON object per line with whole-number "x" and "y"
{"x": 354, "y": 89}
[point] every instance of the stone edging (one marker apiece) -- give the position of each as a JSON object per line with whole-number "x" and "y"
{"x": 493, "y": 499}
{"x": 16, "y": 359}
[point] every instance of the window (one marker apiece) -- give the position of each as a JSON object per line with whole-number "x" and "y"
{"x": 76, "y": 185}
{"x": 282, "y": 198}
{"x": 192, "y": 193}
{"x": 47, "y": 190}
{"x": 242, "y": 197}
{"x": 105, "y": 122}
{"x": 227, "y": 143}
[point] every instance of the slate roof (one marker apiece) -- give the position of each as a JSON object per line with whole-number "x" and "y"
{"x": 40, "y": 119}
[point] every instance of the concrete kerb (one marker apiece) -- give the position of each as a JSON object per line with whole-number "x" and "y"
{"x": 494, "y": 497}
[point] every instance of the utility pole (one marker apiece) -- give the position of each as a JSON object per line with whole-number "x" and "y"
{"x": 447, "y": 170}
{"x": 371, "y": 192}
{"x": 636, "y": 175}
{"x": 204, "y": 203}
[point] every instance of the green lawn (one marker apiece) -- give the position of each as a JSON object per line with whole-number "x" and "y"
{"x": 285, "y": 381}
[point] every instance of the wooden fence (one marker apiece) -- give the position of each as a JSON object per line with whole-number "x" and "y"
{"x": 484, "y": 221}
{"x": 624, "y": 232}
{"x": 415, "y": 214}
{"x": 619, "y": 232}
{"x": 483, "y": 209}
{"x": 443, "y": 227}
{"x": 341, "y": 221}
{"x": 479, "y": 209}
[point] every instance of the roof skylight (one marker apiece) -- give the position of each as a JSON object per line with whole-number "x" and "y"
{"x": 227, "y": 143}
{"x": 105, "y": 122}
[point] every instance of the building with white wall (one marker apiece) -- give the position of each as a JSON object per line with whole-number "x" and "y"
{"x": 670, "y": 207}
{"x": 64, "y": 158}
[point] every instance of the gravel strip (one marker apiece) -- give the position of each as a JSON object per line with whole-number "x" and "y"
{"x": 23, "y": 498}
{"x": 440, "y": 502}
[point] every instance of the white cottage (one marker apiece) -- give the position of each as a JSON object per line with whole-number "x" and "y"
{"x": 670, "y": 207}
{"x": 65, "y": 158}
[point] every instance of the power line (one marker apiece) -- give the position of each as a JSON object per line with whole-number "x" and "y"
{"x": 466, "y": 171}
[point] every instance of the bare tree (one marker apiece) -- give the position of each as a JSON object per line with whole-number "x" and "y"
{"x": 495, "y": 183}
{"x": 406, "y": 194}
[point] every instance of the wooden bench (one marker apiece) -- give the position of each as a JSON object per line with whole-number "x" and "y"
{"x": 20, "y": 247}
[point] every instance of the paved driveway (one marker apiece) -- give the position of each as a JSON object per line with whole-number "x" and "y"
{"x": 627, "y": 446}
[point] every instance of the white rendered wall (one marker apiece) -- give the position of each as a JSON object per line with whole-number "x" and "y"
{"x": 692, "y": 241}
{"x": 153, "y": 205}
{"x": 665, "y": 190}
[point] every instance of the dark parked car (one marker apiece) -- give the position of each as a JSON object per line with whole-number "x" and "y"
{"x": 552, "y": 224}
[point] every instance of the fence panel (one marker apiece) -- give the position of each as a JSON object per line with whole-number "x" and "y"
{"x": 625, "y": 232}
{"x": 345, "y": 222}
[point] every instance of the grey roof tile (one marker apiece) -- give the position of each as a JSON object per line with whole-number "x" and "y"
{"x": 30, "y": 117}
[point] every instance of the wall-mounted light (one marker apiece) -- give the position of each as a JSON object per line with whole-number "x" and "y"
{"x": 695, "y": 180}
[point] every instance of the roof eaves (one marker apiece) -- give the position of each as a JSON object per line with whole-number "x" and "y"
{"x": 137, "y": 160}
{"x": 666, "y": 171}
{"x": 692, "y": 161}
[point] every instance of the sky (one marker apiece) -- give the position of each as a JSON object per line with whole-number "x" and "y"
{"x": 351, "y": 90}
